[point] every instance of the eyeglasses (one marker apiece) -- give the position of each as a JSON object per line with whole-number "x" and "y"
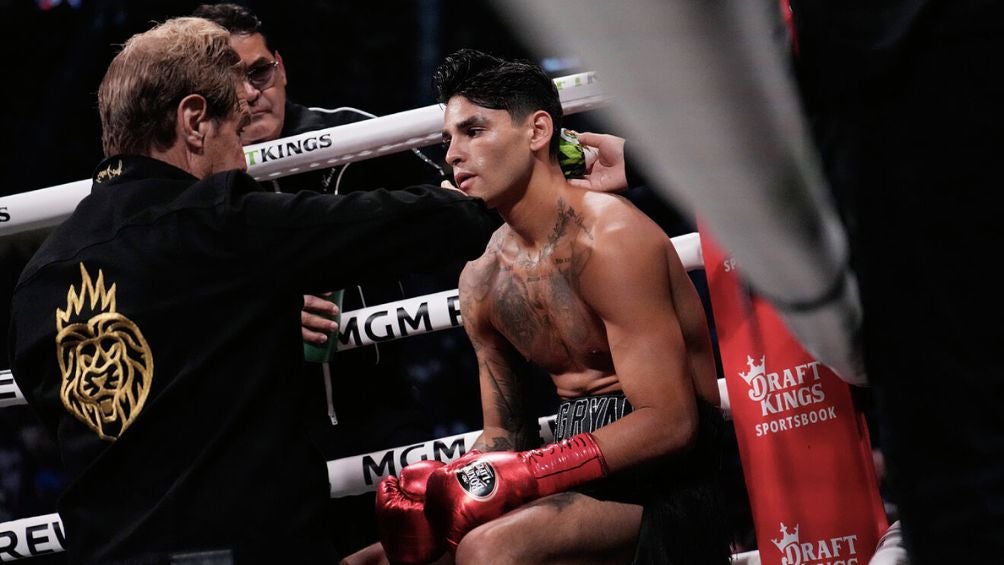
{"x": 263, "y": 76}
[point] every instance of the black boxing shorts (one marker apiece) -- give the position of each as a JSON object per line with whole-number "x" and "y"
{"x": 589, "y": 413}
{"x": 683, "y": 517}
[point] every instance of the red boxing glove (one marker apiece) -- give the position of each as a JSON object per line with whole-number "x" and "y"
{"x": 405, "y": 533}
{"x": 471, "y": 491}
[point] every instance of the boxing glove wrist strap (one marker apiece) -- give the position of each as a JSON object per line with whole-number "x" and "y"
{"x": 566, "y": 464}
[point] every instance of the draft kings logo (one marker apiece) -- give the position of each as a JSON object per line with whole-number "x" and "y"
{"x": 275, "y": 151}
{"x": 789, "y": 399}
{"x": 841, "y": 550}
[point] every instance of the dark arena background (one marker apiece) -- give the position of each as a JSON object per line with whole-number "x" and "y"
{"x": 375, "y": 55}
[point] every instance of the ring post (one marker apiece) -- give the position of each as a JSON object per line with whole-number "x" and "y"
{"x": 805, "y": 450}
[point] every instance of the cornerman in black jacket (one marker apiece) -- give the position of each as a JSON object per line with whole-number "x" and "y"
{"x": 363, "y": 401}
{"x": 134, "y": 324}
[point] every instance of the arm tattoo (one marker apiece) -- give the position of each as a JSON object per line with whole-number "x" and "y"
{"x": 509, "y": 396}
{"x": 498, "y": 444}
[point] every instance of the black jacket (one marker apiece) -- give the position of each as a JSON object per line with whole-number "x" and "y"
{"x": 164, "y": 316}
{"x": 371, "y": 395}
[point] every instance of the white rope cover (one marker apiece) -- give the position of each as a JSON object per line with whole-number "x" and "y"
{"x": 348, "y": 476}
{"x": 290, "y": 155}
{"x": 10, "y": 394}
{"x": 40, "y": 535}
{"x": 403, "y": 318}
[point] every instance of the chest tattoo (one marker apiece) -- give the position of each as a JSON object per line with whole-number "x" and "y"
{"x": 537, "y": 298}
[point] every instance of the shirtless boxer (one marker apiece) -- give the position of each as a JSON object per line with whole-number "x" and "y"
{"x": 585, "y": 286}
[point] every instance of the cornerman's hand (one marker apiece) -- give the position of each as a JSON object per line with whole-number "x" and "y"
{"x": 314, "y": 326}
{"x": 607, "y": 172}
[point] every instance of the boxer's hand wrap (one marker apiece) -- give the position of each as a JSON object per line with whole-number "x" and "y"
{"x": 469, "y": 492}
{"x": 405, "y": 532}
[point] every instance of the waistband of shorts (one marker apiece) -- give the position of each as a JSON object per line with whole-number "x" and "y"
{"x": 589, "y": 413}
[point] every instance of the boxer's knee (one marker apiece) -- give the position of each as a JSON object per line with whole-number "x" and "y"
{"x": 494, "y": 542}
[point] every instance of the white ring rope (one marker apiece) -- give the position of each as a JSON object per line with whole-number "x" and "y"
{"x": 10, "y": 394}
{"x": 826, "y": 331}
{"x": 403, "y": 318}
{"x": 348, "y": 476}
{"x": 357, "y": 141}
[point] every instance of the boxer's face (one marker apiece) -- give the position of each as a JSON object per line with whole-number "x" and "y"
{"x": 267, "y": 100}
{"x": 490, "y": 154}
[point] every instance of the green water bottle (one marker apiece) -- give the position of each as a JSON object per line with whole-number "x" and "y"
{"x": 321, "y": 353}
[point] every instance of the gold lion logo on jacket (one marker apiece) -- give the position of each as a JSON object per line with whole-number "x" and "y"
{"x": 105, "y": 362}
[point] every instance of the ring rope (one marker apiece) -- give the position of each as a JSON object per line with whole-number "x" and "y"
{"x": 357, "y": 141}
{"x": 403, "y": 318}
{"x": 348, "y": 476}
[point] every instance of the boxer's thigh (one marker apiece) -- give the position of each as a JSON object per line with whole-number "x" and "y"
{"x": 561, "y": 528}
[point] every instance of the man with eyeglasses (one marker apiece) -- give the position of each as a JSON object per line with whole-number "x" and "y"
{"x": 370, "y": 396}
{"x": 274, "y": 116}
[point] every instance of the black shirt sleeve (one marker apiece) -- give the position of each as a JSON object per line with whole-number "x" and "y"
{"x": 318, "y": 241}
